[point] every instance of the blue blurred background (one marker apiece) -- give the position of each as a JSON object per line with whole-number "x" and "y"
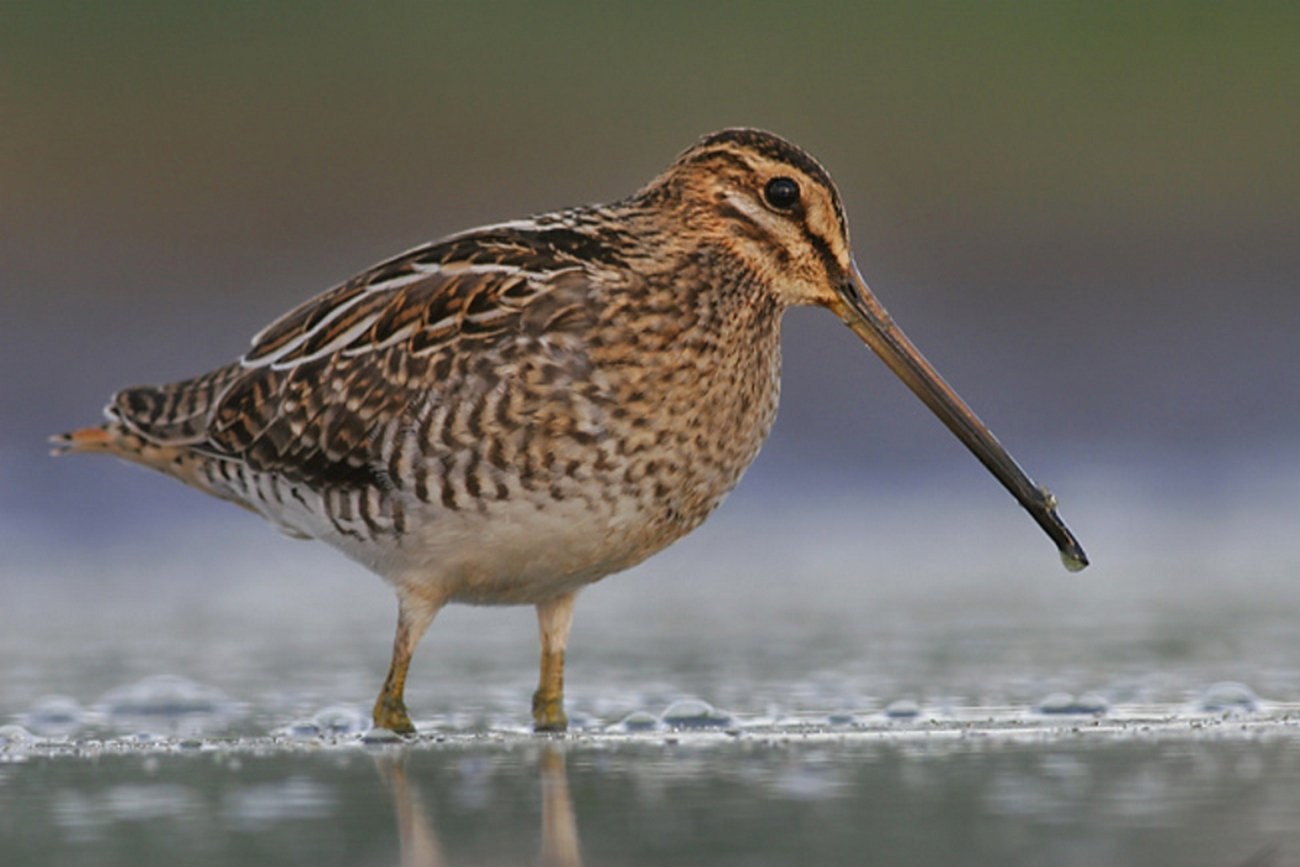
{"x": 1085, "y": 214}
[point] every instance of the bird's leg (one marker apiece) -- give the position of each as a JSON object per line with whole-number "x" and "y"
{"x": 554, "y": 616}
{"x": 413, "y": 617}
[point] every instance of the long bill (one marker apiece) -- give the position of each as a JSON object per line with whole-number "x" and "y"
{"x": 860, "y": 310}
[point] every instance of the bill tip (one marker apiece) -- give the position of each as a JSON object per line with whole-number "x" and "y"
{"x": 1075, "y": 561}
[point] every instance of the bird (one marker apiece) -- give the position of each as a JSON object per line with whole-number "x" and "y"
{"x": 511, "y": 413}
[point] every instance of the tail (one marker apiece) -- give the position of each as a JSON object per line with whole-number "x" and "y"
{"x": 156, "y": 426}
{"x": 88, "y": 439}
{"x": 174, "y": 430}
{"x": 116, "y": 439}
{"x": 174, "y": 415}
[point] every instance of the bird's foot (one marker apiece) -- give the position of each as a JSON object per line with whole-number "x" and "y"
{"x": 390, "y": 713}
{"x": 548, "y": 713}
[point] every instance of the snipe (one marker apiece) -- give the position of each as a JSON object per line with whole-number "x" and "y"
{"x": 511, "y": 413}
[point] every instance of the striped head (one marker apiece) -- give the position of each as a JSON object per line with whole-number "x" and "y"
{"x": 769, "y": 204}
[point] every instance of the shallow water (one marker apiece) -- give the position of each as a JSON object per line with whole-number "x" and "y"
{"x": 822, "y": 685}
{"x": 993, "y": 791}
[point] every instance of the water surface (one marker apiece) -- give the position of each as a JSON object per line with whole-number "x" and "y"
{"x": 823, "y": 685}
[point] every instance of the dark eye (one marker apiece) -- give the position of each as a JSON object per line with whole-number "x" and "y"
{"x": 782, "y": 193}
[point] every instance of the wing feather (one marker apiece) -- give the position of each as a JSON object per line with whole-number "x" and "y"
{"x": 311, "y": 398}
{"x": 322, "y": 383}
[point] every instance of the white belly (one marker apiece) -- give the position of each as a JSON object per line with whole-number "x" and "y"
{"x": 512, "y": 552}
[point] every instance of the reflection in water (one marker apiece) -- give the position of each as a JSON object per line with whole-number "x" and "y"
{"x": 415, "y": 824}
{"x": 1151, "y": 791}
{"x": 559, "y": 825}
{"x": 419, "y": 844}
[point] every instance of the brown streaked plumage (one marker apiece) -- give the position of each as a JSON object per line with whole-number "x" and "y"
{"x": 509, "y": 414}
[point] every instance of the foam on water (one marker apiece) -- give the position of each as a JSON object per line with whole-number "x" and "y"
{"x": 702, "y": 723}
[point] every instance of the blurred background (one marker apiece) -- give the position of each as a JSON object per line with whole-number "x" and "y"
{"x": 1085, "y": 214}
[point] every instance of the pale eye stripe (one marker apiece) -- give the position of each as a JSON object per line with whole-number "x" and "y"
{"x": 748, "y": 208}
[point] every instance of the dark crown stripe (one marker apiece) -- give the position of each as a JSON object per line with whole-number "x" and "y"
{"x": 732, "y": 145}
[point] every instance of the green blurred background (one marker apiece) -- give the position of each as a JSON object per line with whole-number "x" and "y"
{"x": 1085, "y": 213}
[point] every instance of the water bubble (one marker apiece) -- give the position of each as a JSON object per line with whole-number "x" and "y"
{"x": 328, "y": 722}
{"x": 1067, "y": 704}
{"x": 15, "y": 736}
{"x": 1092, "y": 702}
{"x": 341, "y": 719}
{"x": 1228, "y": 697}
{"x": 581, "y": 722}
{"x": 638, "y": 721}
{"x": 903, "y": 708}
{"x": 691, "y": 713}
{"x": 169, "y": 703}
{"x": 55, "y": 716}
{"x": 299, "y": 729}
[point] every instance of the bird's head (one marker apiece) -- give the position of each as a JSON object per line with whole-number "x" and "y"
{"x": 767, "y": 204}
{"x": 773, "y": 208}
